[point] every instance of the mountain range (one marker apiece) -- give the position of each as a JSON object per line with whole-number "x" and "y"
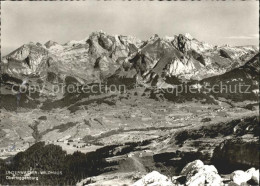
{"x": 102, "y": 58}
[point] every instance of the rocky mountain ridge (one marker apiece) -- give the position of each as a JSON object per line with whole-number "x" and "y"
{"x": 101, "y": 55}
{"x": 102, "y": 58}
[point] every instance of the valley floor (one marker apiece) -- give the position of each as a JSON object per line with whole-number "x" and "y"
{"x": 148, "y": 134}
{"x": 95, "y": 125}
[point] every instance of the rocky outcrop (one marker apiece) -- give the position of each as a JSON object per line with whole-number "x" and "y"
{"x": 206, "y": 144}
{"x": 236, "y": 154}
{"x": 154, "y": 178}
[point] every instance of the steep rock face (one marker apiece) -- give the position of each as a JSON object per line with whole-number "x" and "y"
{"x": 95, "y": 58}
{"x": 159, "y": 59}
{"x": 236, "y": 153}
{"x": 27, "y": 60}
{"x": 182, "y": 57}
{"x": 186, "y": 43}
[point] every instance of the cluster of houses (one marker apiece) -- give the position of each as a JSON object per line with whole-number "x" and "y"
{"x": 9, "y": 151}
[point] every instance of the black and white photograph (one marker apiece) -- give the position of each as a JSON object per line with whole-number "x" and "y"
{"x": 129, "y": 93}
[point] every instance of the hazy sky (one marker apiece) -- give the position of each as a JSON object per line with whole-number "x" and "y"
{"x": 234, "y": 22}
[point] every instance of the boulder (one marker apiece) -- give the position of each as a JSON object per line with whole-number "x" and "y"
{"x": 152, "y": 179}
{"x": 210, "y": 168}
{"x": 251, "y": 171}
{"x": 205, "y": 178}
{"x": 192, "y": 168}
{"x": 199, "y": 174}
{"x": 207, "y": 175}
{"x": 240, "y": 177}
{"x": 254, "y": 174}
{"x": 213, "y": 179}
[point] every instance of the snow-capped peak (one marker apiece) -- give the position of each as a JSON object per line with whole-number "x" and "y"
{"x": 73, "y": 42}
{"x": 187, "y": 35}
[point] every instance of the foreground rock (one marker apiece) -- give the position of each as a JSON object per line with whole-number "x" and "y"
{"x": 194, "y": 173}
{"x": 197, "y": 173}
{"x": 250, "y": 176}
{"x": 240, "y": 177}
{"x": 154, "y": 178}
{"x": 255, "y": 176}
{"x": 192, "y": 167}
